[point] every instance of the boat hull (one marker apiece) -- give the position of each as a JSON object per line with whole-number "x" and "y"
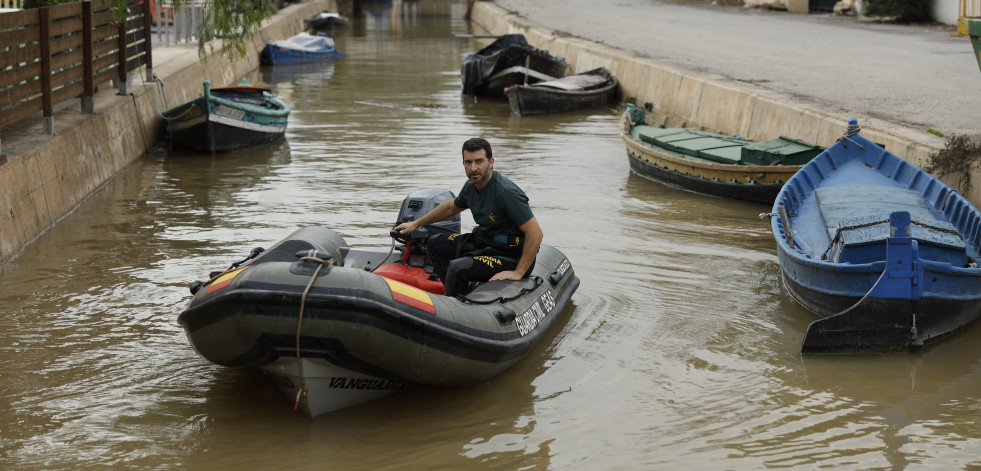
{"x": 276, "y": 55}
{"x": 317, "y": 386}
{"x": 694, "y": 180}
{"x": 531, "y": 99}
{"x": 876, "y": 322}
{"x": 876, "y": 281}
{"x": 367, "y": 324}
{"x": 508, "y": 61}
{"x": 753, "y": 183}
{"x": 211, "y": 123}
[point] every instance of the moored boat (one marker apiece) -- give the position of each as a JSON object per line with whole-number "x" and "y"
{"x": 884, "y": 252}
{"x": 335, "y": 326}
{"x": 710, "y": 163}
{"x": 509, "y": 60}
{"x": 228, "y": 118}
{"x": 301, "y": 48}
{"x": 325, "y": 20}
{"x": 588, "y": 89}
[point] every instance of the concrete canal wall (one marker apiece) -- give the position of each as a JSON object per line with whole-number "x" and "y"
{"x": 682, "y": 98}
{"x": 44, "y": 177}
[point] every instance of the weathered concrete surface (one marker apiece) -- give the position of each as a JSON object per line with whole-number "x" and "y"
{"x": 46, "y": 176}
{"x": 762, "y": 75}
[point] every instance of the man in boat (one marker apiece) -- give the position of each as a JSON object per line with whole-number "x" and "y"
{"x": 505, "y": 242}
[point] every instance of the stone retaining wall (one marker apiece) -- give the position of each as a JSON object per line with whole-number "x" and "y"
{"x": 45, "y": 177}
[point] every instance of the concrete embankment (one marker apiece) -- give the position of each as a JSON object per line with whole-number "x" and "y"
{"x": 682, "y": 98}
{"x": 44, "y": 177}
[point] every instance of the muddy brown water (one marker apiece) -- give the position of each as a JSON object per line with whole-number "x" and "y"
{"x": 679, "y": 349}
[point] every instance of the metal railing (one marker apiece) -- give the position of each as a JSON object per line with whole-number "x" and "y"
{"x": 970, "y": 8}
{"x": 178, "y": 26}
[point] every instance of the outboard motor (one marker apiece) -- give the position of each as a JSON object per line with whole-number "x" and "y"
{"x": 413, "y": 268}
{"x": 420, "y": 202}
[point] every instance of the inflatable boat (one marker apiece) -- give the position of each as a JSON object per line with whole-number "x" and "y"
{"x": 336, "y": 326}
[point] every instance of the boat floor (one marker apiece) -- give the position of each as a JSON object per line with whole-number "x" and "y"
{"x": 582, "y": 82}
{"x": 854, "y": 204}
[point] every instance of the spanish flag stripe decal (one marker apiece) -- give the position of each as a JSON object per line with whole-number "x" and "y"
{"x": 412, "y": 296}
{"x": 223, "y": 280}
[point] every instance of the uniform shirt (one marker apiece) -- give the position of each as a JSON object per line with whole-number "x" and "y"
{"x": 497, "y": 209}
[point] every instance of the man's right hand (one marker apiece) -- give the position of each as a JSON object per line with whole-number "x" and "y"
{"x": 405, "y": 227}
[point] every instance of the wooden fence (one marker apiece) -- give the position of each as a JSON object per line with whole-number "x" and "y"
{"x": 57, "y": 53}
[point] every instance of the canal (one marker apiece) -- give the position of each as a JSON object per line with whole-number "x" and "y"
{"x": 680, "y": 349}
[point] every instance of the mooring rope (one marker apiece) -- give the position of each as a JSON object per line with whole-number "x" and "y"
{"x": 299, "y": 325}
{"x": 851, "y": 130}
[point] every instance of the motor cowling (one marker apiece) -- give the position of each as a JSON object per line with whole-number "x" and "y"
{"x": 420, "y": 202}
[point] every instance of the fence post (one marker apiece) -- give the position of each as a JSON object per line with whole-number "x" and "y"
{"x": 148, "y": 40}
{"x": 121, "y": 57}
{"x": 88, "y": 103}
{"x": 47, "y": 108}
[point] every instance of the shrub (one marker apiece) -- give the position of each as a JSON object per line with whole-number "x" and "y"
{"x": 905, "y": 11}
{"x": 958, "y": 158}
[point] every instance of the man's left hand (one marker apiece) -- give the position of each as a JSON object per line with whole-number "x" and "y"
{"x": 506, "y": 275}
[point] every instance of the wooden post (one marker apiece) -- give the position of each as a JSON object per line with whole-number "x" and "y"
{"x": 147, "y": 40}
{"x": 47, "y": 108}
{"x": 121, "y": 58}
{"x": 88, "y": 103}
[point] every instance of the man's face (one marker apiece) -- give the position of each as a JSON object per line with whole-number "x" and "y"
{"x": 478, "y": 167}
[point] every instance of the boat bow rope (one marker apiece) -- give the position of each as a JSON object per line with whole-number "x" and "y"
{"x": 321, "y": 259}
{"x": 852, "y": 129}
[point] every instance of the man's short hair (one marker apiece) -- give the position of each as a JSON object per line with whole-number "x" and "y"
{"x": 476, "y": 143}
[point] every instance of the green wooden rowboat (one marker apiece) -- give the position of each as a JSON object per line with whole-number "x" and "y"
{"x": 712, "y": 163}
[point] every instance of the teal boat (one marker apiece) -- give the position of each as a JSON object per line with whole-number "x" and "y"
{"x": 228, "y": 118}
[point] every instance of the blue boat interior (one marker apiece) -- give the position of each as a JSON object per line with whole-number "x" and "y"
{"x": 856, "y": 219}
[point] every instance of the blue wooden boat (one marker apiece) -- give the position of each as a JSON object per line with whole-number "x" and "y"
{"x": 885, "y": 253}
{"x": 303, "y": 47}
{"x": 228, "y": 118}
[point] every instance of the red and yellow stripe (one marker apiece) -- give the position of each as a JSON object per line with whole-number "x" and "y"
{"x": 412, "y": 296}
{"x": 223, "y": 280}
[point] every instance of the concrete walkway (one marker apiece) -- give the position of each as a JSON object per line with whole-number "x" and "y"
{"x": 914, "y": 77}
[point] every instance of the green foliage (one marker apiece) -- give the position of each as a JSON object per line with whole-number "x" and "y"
{"x": 903, "y": 11}
{"x": 233, "y": 21}
{"x": 935, "y": 132}
{"x": 958, "y": 157}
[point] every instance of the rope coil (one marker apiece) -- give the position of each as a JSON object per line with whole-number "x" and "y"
{"x": 852, "y": 129}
